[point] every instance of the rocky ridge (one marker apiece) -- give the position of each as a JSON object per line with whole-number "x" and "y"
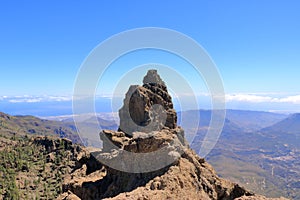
{"x": 148, "y": 157}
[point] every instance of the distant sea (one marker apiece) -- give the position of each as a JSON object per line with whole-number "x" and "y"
{"x": 51, "y": 108}
{"x": 59, "y": 108}
{"x": 104, "y": 105}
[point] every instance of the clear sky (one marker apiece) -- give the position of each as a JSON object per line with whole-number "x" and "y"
{"x": 254, "y": 43}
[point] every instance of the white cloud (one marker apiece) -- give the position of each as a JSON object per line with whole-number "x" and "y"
{"x": 24, "y": 100}
{"x": 35, "y": 99}
{"x": 2, "y": 97}
{"x": 59, "y": 98}
{"x": 248, "y": 98}
{"x": 239, "y": 97}
{"x": 291, "y": 99}
{"x": 252, "y": 98}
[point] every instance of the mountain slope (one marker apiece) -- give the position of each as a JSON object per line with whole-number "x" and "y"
{"x": 22, "y": 125}
{"x": 270, "y": 158}
{"x": 286, "y": 127}
{"x": 34, "y": 167}
{"x": 247, "y": 120}
{"x": 253, "y": 120}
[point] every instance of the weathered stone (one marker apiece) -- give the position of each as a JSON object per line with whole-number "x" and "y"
{"x": 147, "y": 126}
{"x": 153, "y": 77}
{"x": 147, "y": 108}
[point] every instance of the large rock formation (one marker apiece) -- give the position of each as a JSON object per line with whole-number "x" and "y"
{"x": 147, "y": 108}
{"x": 148, "y": 157}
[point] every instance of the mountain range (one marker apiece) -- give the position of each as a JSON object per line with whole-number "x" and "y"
{"x": 263, "y": 146}
{"x": 259, "y": 150}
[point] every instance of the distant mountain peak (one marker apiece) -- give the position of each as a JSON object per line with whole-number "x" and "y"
{"x": 295, "y": 116}
{"x": 289, "y": 125}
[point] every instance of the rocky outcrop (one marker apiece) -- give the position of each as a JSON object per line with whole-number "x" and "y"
{"x": 52, "y": 144}
{"x": 147, "y": 108}
{"x": 148, "y": 157}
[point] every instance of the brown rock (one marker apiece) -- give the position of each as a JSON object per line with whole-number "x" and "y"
{"x": 258, "y": 197}
{"x": 153, "y": 77}
{"x": 147, "y": 108}
{"x": 147, "y": 126}
{"x": 68, "y": 196}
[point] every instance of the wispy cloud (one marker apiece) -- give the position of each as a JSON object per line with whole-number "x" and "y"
{"x": 291, "y": 99}
{"x": 3, "y": 97}
{"x": 59, "y": 98}
{"x": 252, "y": 98}
{"x": 248, "y": 98}
{"x": 35, "y": 99}
{"x": 238, "y": 97}
{"x": 25, "y": 100}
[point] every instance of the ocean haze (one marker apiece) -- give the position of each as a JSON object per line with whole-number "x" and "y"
{"x": 46, "y": 105}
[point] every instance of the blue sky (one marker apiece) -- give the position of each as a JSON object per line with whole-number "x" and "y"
{"x": 255, "y": 44}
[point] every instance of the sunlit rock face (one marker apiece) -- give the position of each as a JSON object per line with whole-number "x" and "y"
{"x": 147, "y": 108}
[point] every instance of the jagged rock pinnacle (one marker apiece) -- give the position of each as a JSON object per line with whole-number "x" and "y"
{"x": 148, "y": 157}
{"x": 153, "y": 77}
{"x": 147, "y": 108}
{"x": 147, "y": 125}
